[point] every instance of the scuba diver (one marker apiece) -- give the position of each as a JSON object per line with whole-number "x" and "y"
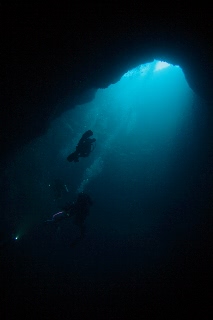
{"x": 84, "y": 147}
{"x": 79, "y": 210}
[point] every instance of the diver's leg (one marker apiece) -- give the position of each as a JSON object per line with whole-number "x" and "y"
{"x": 72, "y": 157}
{"x": 57, "y": 217}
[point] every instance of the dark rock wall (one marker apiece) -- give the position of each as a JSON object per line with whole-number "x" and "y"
{"x": 54, "y": 58}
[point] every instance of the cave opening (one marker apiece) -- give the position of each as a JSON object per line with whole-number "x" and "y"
{"x": 147, "y": 143}
{"x": 145, "y": 177}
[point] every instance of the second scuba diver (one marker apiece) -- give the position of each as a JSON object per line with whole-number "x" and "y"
{"x": 84, "y": 147}
{"x": 79, "y": 210}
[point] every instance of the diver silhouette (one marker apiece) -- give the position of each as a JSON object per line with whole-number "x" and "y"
{"x": 84, "y": 147}
{"x": 79, "y": 210}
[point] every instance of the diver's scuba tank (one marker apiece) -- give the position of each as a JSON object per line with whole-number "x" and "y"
{"x": 87, "y": 134}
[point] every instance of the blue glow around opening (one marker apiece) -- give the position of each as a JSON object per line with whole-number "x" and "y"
{"x": 144, "y": 124}
{"x": 145, "y": 69}
{"x": 161, "y": 65}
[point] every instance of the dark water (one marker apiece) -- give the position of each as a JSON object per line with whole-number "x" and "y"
{"x": 145, "y": 248}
